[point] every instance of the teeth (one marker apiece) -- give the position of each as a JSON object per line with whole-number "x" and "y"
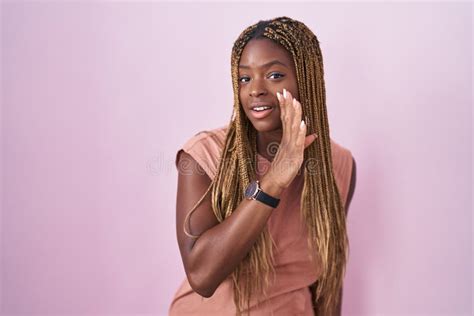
{"x": 261, "y": 108}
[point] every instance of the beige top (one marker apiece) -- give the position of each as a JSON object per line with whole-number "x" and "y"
{"x": 289, "y": 294}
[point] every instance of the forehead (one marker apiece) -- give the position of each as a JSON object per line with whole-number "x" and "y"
{"x": 260, "y": 51}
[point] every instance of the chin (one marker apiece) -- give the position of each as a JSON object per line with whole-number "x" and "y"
{"x": 263, "y": 126}
{"x": 268, "y": 124}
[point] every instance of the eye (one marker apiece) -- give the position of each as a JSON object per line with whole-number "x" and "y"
{"x": 242, "y": 78}
{"x": 279, "y": 75}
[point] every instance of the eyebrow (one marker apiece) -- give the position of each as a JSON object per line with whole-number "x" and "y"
{"x": 270, "y": 63}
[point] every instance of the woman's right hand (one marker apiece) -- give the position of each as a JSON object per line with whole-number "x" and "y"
{"x": 289, "y": 157}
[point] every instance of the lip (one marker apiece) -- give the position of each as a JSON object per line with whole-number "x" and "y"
{"x": 261, "y": 114}
{"x": 255, "y": 104}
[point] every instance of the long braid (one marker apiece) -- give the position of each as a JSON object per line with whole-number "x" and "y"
{"x": 321, "y": 206}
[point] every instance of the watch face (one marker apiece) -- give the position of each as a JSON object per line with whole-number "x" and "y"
{"x": 251, "y": 190}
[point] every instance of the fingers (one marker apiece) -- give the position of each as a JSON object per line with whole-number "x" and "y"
{"x": 285, "y": 114}
{"x": 294, "y": 129}
{"x": 291, "y": 113}
{"x": 309, "y": 139}
{"x": 296, "y": 121}
{"x": 301, "y": 136}
{"x": 282, "y": 103}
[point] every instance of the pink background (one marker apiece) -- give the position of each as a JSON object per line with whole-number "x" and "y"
{"x": 98, "y": 97}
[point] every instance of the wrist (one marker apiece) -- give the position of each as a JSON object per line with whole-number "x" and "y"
{"x": 270, "y": 186}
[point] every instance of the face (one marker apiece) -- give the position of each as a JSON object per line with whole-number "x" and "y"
{"x": 265, "y": 68}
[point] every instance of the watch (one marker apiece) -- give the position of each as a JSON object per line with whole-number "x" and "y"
{"x": 254, "y": 192}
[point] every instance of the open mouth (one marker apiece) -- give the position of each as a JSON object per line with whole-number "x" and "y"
{"x": 260, "y": 112}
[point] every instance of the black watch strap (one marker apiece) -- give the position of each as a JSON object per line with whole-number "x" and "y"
{"x": 267, "y": 199}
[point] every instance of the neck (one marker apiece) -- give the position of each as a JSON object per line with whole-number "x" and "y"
{"x": 268, "y": 142}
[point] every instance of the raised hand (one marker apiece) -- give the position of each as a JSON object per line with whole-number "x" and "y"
{"x": 290, "y": 155}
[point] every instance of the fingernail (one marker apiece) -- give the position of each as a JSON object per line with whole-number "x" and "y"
{"x": 302, "y": 124}
{"x": 284, "y": 93}
{"x": 279, "y": 96}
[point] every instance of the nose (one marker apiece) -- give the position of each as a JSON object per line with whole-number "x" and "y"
{"x": 257, "y": 89}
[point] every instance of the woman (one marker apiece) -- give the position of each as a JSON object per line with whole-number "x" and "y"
{"x": 266, "y": 192}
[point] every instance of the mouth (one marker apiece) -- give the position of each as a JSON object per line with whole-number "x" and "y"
{"x": 261, "y": 110}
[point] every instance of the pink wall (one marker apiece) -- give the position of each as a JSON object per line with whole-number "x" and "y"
{"x": 97, "y": 98}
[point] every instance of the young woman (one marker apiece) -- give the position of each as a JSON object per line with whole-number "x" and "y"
{"x": 269, "y": 192}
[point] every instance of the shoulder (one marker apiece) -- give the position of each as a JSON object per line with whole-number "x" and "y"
{"x": 205, "y": 148}
{"x": 339, "y": 150}
{"x": 341, "y": 156}
{"x": 211, "y": 137}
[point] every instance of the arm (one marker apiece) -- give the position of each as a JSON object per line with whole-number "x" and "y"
{"x": 220, "y": 247}
{"x": 209, "y": 259}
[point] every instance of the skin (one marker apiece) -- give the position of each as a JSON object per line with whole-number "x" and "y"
{"x": 261, "y": 83}
{"x": 211, "y": 258}
{"x": 265, "y": 70}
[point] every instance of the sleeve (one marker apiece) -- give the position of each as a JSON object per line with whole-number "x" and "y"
{"x": 342, "y": 167}
{"x": 204, "y": 150}
{"x": 346, "y": 171}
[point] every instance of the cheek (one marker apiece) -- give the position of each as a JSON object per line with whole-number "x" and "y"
{"x": 295, "y": 89}
{"x": 241, "y": 98}
{"x": 244, "y": 110}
